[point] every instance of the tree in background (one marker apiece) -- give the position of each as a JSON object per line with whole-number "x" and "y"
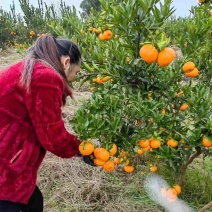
{"x": 86, "y": 6}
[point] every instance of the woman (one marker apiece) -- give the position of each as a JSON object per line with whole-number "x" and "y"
{"x": 32, "y": 93}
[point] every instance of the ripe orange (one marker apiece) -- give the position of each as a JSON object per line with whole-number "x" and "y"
{"x": 98, "y": 162}
{"x": 149, "y": 53}
{"x": 113, "y": 150}
{"x": 129, "y": 169}
{"x": 95, "y": 30}
{"x": 153, "y": 168}
{"x": 163, "y": 111}
{"x": 140, "y": 151}
{"x": 144, "y": 143}
{"x": 101, "y": 154}
{"x": 211, "y": 12}
{"x": 98, "y": 80}
{"x": 86, "y": 147}
{"x": 117, "y": 160}
{"x": 188, "y": 66}
{"x": 193, "y": 73}
{"x": 172, "y": 143}
{"x": 179, "y": 93}
{"x": 206, "y": 142}
{"x": 106, "y": 35}
{"x": 148, "y": 148}
{"x": 105, "y": 79}
{"x": 127, "y": 162}
{"x": 166, "y": 56}
{"x": 177, "y": 188}
{"x": 155, "y": 143}
{"x": 124, "y": 154}
{"x": 102, "y": 37}
{"x": 184, "y": 107}
{"x": 109, "y": 166}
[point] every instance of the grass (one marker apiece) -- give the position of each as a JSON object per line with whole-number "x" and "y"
{"x": 69, "y": 185}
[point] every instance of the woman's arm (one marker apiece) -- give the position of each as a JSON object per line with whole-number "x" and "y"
{"x": 44, "y": 102}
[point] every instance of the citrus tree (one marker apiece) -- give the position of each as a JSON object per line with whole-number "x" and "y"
{"x": 145, "y": 100}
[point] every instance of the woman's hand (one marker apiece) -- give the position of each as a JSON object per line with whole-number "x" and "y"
{"x": 87, "y": 159}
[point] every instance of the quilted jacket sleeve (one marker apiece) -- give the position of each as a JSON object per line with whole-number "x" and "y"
{"x": 44, "y": 102}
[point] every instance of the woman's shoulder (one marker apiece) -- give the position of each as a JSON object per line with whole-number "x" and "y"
{"x": 44, "y": 70}
{"x": 44, "y": 73}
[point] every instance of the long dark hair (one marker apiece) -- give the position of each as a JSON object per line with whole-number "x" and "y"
{"x": 48, "y": 49}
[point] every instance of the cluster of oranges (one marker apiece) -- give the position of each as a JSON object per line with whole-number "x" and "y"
{"x": 171, "y": 194}
{"x": 150, "y": 54}
{"x": 13, "y": 33}
{"x": 102, "y": 156}
{"x": 106, "y": 157}
{"x": 190, "y": 70}
{"x": 32, "y": 33}
{"x": 106, "y": 35}
{"x": 100, "y": 80}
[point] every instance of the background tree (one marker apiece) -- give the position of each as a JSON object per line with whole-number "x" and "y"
{"x": 86, "y": 6}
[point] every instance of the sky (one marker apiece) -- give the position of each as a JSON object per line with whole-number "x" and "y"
{"x": 182, "y": 6}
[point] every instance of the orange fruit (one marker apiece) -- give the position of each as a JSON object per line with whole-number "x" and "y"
{"x": 105, "y": 79}
{"x": 129, "y": 169}
{"x": 98, "y": 162}
{"x": 179, "y": 93}
{"x": 184, "y": 107}
{"x": 98, "y": 80}
{"x": 140, "y": 151}
{"x": 163, "y": 111}
{"x": 148, "y": 148}
{"x": 116, "y": 36}
{"x": 193, "y": 73}
{"x": 117, "y": 160}
{"x": 188, "y": 66}
{"x": 124, "y": 154}
{"x": 149, "y": 53}
{"x": 201, "y": 1}
{"x": 166, "y": 56}
{"x": 102, "y": 37}
{"x": 127, "y": 162}
{"x": 95, "y": 30}
{"x": 163, "y": 192}
{"x": 155, "y": 143}
{"x": 177, "y": 188}
{"x": 106, "y": 35}
{"x": 144, "y": 143}
{"x": 211, "y": 12}
{"x": 113, "y": 150}
{"x": 101, "y": 154}
{"x": 86, "y": 147}
{"x": 153, "y": 168}
{"x": 172, "y": 143}
{"x": 206, "y": 142}
{"x": 109, "y": 166}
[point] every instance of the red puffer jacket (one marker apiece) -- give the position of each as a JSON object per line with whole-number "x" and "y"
{"x": 30, "y": 125}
